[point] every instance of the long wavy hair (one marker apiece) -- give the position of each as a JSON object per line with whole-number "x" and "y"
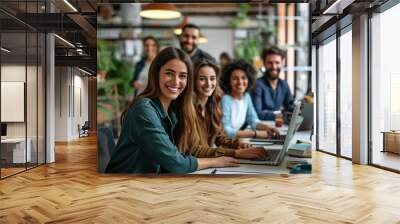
{"x": 183, "y": 105}
{"x": 213, "y": 111}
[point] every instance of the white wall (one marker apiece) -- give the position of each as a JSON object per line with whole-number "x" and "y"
{"x": 61, "y": 103}
{"x": 71, "y": 94}
{"x": 14, "y": 73}
{"x": 17, "y": 73}
{"x": 80, "y": 111}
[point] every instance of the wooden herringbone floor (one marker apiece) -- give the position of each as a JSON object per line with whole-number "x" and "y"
{"x": 71, "y": 191}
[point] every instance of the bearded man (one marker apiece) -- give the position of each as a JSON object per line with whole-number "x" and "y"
{"x": 272, "y": 96}
{"x": 189, "y": 40}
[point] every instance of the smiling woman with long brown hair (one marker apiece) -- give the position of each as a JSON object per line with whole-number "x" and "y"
{"x": 146, "y": 144}
{"x": 208, "y": 97}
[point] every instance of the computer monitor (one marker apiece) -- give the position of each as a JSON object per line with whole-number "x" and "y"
{"x": 3, "y": 129}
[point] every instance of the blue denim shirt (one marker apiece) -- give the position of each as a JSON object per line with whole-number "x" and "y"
{"x": 266, "y": 100}
{"x": 251, "y": 115}
{"x": 146, "y": 144}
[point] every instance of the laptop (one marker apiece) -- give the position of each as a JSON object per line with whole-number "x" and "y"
{"x": 280, "y": 139}
{"x": 277, "y": 152}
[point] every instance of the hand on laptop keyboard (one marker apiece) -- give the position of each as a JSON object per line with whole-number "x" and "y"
{"x": 251, "y": 153}
{"x": 243, "y": 145}
{"x": 278, "y": 137}
{"x": 272, "y": 132}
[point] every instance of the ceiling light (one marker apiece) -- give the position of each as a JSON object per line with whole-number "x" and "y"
{"x": 160, "y": 11}
{"x": 65, "y": 41}
{"x": 178, "y": 29}
{"x": 5, "y": 49}
{"x": 202, "y": 39}
{"x": 70, "y": 5}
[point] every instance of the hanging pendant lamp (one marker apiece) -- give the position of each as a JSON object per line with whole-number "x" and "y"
{"x": 160, "y": 11}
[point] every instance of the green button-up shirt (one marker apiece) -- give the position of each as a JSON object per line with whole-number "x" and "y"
{"x": 146, "y": 143}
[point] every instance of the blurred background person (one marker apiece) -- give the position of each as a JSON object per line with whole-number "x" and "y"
{"x": 189, "y": 40}
{"x": 224, "y": 60}
{"x": 106, "y": 15}
{"x": 140, "y": 75}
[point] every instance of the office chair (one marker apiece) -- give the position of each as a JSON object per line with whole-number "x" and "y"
{"x": 105, "y": 147}
{"x": 84, "y": 130}
{"x": 86, "y": 126}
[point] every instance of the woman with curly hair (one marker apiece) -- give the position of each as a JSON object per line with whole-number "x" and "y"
{"x": 237, "y": 78}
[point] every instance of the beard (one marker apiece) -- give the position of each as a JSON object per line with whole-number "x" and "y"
{"x": 270, "y": 76}
{"x": 187, "y": 49}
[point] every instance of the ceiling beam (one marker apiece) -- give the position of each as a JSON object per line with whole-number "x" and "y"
{"x": 81, "y": 61}
{"x": 84, "y": 24}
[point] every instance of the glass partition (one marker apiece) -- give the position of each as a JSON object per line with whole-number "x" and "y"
{"x": 346, "y": 93}
{"x": 41, "y": 109}
{"x": 14, "y": 145}
{"x": 327, "y": 96}
{"x": 22, "y": 89}
{"x": 385, "y": 89}
{"x": 31, "y": 97}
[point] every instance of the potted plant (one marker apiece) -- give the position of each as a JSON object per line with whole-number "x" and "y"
{"x": 113, "y": 90}
{"x": 105, "y": 53}
{"x": 250, "y": 47}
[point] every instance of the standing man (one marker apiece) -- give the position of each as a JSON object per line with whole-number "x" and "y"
{"x": 189, "y": 39}
{"x": 272, "y": 95}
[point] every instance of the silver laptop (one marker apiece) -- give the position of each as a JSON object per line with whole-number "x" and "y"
{"x": 277, "y": 152}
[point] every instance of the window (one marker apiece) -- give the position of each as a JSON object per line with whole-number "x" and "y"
{"x": 385, "y": 84}
{"x": 346, "y": 94}
{"x": 327, "y": 96}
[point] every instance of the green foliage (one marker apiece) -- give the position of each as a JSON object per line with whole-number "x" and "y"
{"x": 242, "y": 16}
{"x": 122, "y": 75}
{"x": 105, "y": 53}
{"x": 248, "y": 48}
{"x": 266, "y": 33}
{"x": 115, "y": 92}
